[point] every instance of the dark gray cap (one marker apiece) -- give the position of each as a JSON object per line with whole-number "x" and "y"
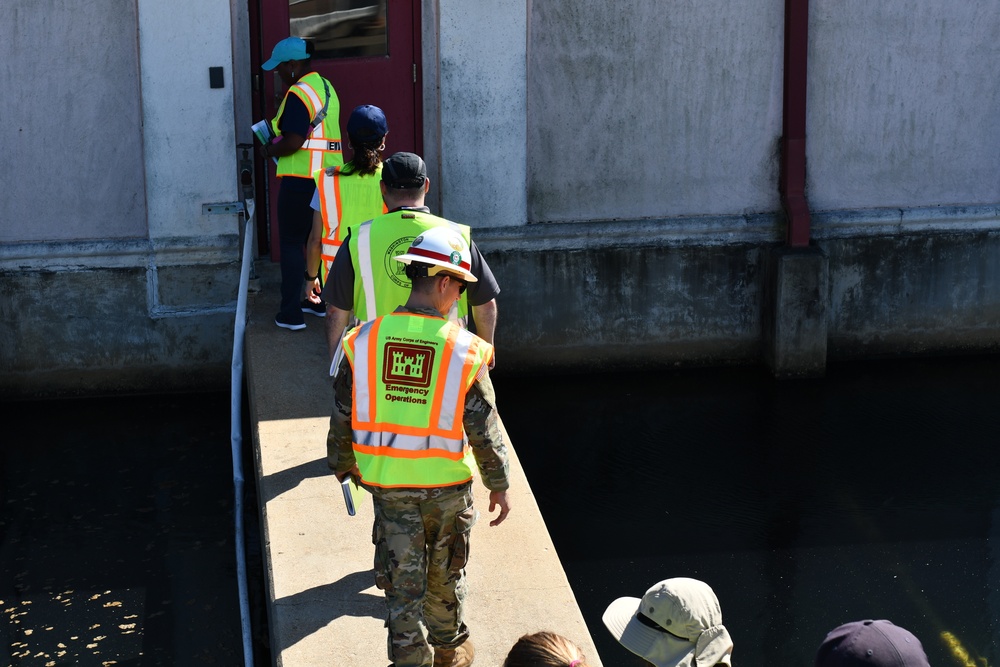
{"x": 404, "y": 171}
{"x": 870, "y": 644}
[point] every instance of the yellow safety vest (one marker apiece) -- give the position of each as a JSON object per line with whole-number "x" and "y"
{"x": 411, "y": 375}
{"x": 378, "y": 278}
{"x": 344, "y": 200}
{"x": 322, "y": 148}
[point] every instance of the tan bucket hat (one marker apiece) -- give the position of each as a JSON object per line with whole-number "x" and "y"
{"x": 677, "y": 623}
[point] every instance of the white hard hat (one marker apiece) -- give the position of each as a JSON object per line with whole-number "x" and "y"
{"x": 441, "y": 247}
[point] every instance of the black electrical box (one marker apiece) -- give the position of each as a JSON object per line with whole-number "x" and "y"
{"x": 215, "y": 77}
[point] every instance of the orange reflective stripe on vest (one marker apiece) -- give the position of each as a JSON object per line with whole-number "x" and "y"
{"x": 345, "y": 199}
{"x": 322, "y": 148}
{"x": 331, "y": 210}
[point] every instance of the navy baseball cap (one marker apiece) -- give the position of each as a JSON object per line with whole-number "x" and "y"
{"x": 367, "y": 122}
{"x": 871, "y": 644}
{"x": 404, "y": 171}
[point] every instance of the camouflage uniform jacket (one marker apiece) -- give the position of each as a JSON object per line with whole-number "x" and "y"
{"x": 481, "y": 423}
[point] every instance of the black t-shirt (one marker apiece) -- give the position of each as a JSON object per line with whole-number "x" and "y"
{"x": 295, "y": 117}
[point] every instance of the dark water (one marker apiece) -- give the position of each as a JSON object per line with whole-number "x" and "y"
{"x": 870, "y": 494}
{"x": 116, "y": 533}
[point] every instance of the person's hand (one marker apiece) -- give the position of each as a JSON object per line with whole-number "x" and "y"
{"x": 499, "y": 499}
{"x": 313, "y": 290}
{"x": 262, "y": 150}
{"x": 353, "y": 472}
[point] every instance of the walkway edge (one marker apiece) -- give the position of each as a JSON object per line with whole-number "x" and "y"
{"x": 323, "y": 607}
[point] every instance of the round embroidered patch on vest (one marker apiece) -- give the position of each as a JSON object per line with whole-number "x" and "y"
{"x": 396, "y": 271}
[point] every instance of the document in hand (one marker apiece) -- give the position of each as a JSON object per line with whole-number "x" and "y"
{"x": 265, "y": 135}
{"x": 353, "y": 495}
{"x": 262, "y": 130}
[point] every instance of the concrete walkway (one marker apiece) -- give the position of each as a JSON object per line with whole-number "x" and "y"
{"x": 323, "y": 607}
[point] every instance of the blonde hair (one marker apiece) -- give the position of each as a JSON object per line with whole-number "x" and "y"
{"x": 545, "y": 649}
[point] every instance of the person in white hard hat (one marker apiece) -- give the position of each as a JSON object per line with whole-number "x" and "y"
{"x": 414, "y": 417}
{"x": 677, "y": 623}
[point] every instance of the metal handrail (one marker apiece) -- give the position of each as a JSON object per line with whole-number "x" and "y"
{"x": 236, "y": 431}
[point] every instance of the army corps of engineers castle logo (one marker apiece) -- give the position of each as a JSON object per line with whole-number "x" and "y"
{"x": 406, "y": 371}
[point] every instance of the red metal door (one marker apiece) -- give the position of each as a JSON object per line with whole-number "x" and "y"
{"x": 370, "y": 52}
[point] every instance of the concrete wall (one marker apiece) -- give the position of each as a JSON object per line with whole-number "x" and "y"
{"x": 569, "y": 305}
{"x": 73, "y": 167}
{"x": 476, "y": 131}
{"x": 903, "y": 106}
{"x": 97, "y": 331}
{"x": 189, "y": 138}
{"x": 919, "y": 281}
{"x": 618, "y": 162}
{"x": 113, "y": 274}
{"x": 652, "y": 140}
{"x": 694, "y": 292}
{"x": 646, "y": 109}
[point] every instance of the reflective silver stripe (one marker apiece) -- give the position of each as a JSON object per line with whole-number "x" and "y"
{"x": 316, "y": 142}
{"x": 338, "y": 356}
{"x": 329, "y": 194}
{"x": 365, "y": 266}
{"x": 313, "y": 96}
{"x": 362, "y": 392}
{"x": 319, "y": 143}
{"x": 411, "y": 443}
{"x": 453, "y": 383}
{"x": 315, "y": 161}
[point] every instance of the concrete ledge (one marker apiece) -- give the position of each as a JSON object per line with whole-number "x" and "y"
{"x": 578, "y": 297}
{"x": 323, "y": 606}
{"x": 796, "y": 329}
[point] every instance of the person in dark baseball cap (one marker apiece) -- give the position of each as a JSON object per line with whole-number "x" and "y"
{"x": 404, "y": 171}
{"x": 870, "y": 644}
{"x": 367, "y": 123}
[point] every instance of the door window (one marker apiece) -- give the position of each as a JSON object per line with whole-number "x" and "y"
{"x": 340, "y": 28}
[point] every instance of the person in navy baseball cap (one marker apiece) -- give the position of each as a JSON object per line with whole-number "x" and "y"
{"x": 367, "y": 123}
{"x": 871, "y": 644}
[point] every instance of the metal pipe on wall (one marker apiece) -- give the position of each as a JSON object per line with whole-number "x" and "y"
{"x": 792, "y": 181}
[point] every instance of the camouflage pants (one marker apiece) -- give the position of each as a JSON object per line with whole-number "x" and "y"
{"x": 421, "y": 539}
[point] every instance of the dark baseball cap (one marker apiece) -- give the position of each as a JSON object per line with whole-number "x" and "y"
{"x": 871, "y": 644}
{"x": 404, "y": 171}
{"x": 367, "y": 123}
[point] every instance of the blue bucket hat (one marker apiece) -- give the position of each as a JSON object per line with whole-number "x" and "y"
{"x": 290, "y": 48}
{"x": 367, "y": 123}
